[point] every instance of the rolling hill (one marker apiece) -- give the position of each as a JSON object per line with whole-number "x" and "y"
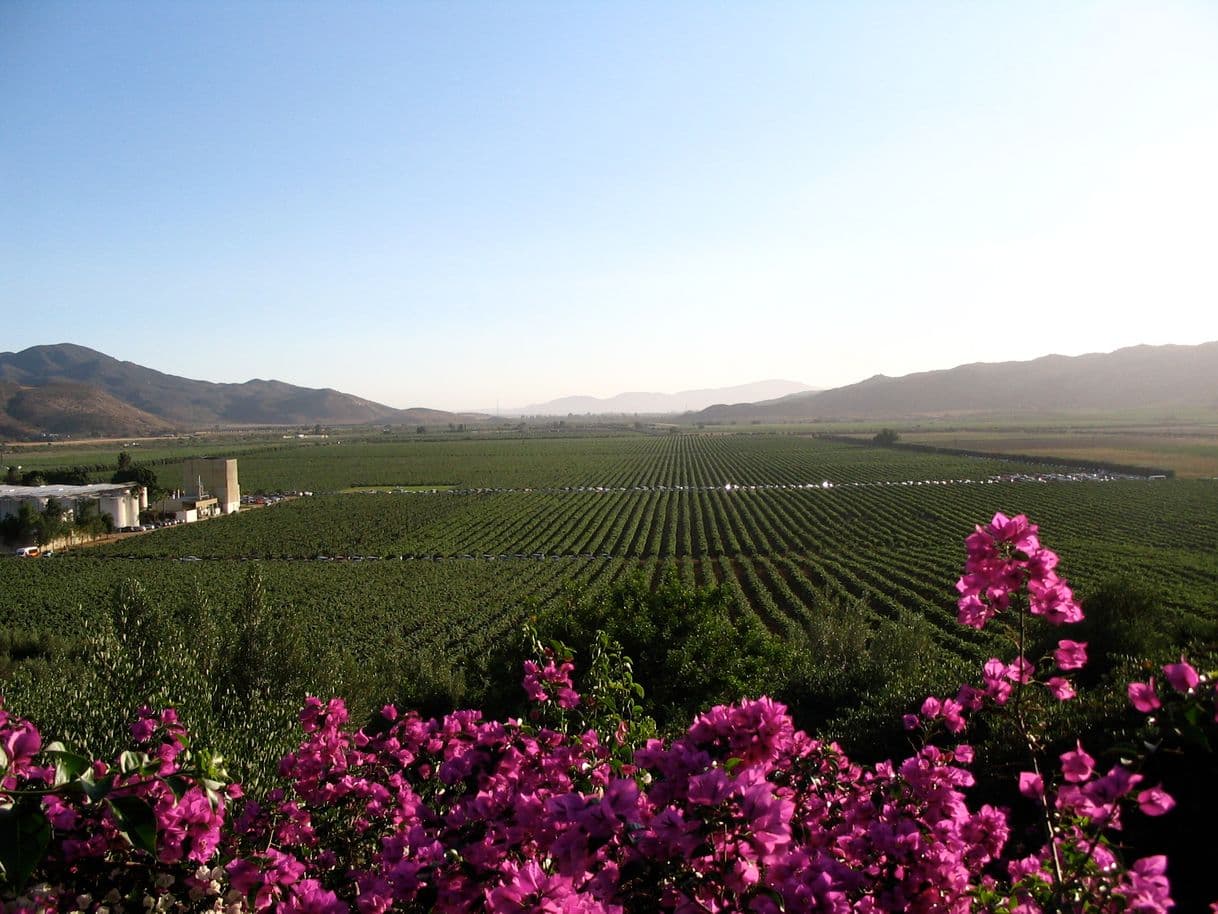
{"x": 65, "y": 408}
{"x": 70, "y": 389}
{"x": 1162, "y": 378}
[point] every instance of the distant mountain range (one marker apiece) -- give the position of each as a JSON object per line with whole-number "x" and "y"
{"x": 72, "y": 390}
{"x": 1163, "y": 378}
{"x": 659, "y": 403}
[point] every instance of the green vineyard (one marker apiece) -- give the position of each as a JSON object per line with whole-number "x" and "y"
{"x": 789, "y": 523}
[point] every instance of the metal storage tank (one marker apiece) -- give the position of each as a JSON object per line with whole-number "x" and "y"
{"x": 119, "y": 509}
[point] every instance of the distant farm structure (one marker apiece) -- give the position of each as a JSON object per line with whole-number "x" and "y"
{"x": 121, "y": 502}
{"x": 209, "y": 488}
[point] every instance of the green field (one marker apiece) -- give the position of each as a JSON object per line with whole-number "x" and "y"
{"x": 789, "y": 521}
{"x": 798, "y": 528}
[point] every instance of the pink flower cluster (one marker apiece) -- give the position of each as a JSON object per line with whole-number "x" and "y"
{"x": 141, "y": 822}
{"x": 551, "y": 680}
{"x": 740, "y": 813}
{"x": 1007, "y": 564}
{"x": 1004, "y": 557}
{"x": 1182, "y": 677}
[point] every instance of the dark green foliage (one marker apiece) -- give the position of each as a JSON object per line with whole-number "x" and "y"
{"x": 236, "y": 676}
{"x": 90, "y": 520}
{"x": 1122, "y": 620}
{"x": 22, "y": 527}
{"x": 859, "y": 675}
{"x": 691, "y": 646}
{"x": 885, "y": 437}
{"x": 30, "y": 526}
{"x": 71, "y": 476}
{"x": 141, "y": 474}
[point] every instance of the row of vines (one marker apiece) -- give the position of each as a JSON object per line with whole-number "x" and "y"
{"x": 447, "y": 573}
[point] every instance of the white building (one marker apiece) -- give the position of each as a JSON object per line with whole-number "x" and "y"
{"x": 122, "y": 502}
{"x": 213, "y": 477}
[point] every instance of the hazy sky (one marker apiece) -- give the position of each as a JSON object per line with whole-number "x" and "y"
{"x": 451, "y": 204}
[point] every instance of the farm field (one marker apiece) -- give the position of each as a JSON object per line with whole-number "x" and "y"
{"x": 1190, "y": 452}
{"x": 496, "y": 461}
{"x": 792, "y": 524}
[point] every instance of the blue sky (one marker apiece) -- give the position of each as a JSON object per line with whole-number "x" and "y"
{"x": 458, "y": 204}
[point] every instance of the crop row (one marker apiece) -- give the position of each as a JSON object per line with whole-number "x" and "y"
{"x": 702, "y": 460}
{"x": 891, "y": 550}
{"x": 580, "y": 513}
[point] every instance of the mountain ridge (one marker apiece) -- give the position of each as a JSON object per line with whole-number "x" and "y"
{"x": 73, "y": 390}
{"x": 1144, "y": 376}
{"x": 131, "y": 398}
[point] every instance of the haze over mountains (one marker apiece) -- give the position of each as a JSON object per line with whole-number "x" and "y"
{"x": 72, "y": 390}
{"x": 1163, "y": 378}
{"x": 660, "y": 403}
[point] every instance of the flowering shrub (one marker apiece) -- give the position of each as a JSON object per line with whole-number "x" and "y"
{"x": 144, "y": 830}
{"x": 742, "y": 812}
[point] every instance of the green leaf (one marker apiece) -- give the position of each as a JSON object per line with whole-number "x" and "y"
{"x": 96, "y": 790}
{"x": 136, "y": 821}
{"x": 24, "y": 836}
{"x": 131, "y": 761}
{"x": 68, "y": 765}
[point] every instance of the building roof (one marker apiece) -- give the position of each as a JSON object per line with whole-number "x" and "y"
{"x": 97, "y": 488}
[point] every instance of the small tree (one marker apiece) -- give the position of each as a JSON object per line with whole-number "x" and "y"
{"x": 886, "y": 437}
{"x": 141, "y": 474}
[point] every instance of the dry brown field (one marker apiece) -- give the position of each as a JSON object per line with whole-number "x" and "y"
{"x": 1191, "y": 452}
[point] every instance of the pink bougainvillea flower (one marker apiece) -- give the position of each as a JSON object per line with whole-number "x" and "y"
{"x": 1060, "y": 688}
{"x": 973, "y": 612}
{"x": 1143, "y": 696}
{"x": 1020, "y": 670}
{"x": 1017, "y": 531}
{"x": 1077, "y": 765}
{"x": 1182, "y": 676}
{"x": 21, "y": 743}
{"x": 1147, "y": 889}
{"x": 1155, "y": 801}
{"x": 1070, "y": 655}
{"x": 1053, "y": 600}
{"x": 1031, "y": 785}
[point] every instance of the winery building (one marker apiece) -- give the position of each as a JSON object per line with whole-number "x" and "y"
{"x": 121, "y": 502}
{"x": 209, "y": 488}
